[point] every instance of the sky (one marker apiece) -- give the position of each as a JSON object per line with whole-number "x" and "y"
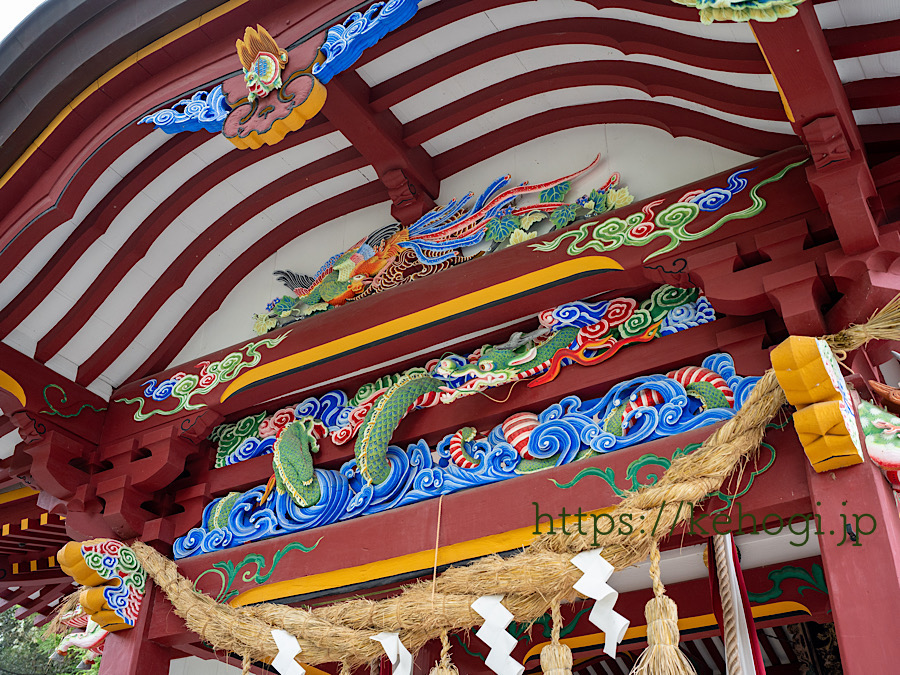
{"x": 13, "y": 12}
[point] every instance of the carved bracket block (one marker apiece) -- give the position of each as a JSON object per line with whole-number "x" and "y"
{"x": 825, "y": 423}
{"x": 115, "y": 579}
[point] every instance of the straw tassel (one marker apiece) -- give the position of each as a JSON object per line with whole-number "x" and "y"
{"x": 443, "y": 666}
{"x": 556, "y": 658}
{"x": 662, "y": 656}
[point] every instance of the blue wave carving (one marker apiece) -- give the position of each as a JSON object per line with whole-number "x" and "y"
{"x": 688, "y": 315}
{"x": 569, "y": 430}
{"x": 203, "y": 110}
{"x": 715, "y": 198}
{"x": 332, "y": 409}
{"x": 578, "y": 313}
{"x": 163, "y": 390}
{"x": 348, "y": 40}
{"x": 250, "y": 448}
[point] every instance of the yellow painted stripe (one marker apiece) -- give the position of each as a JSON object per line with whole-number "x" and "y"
{"x": 24, "y": 524}
{"x": 15, "y": 568}
{"x": 439, "y": 312}
{"x": 784, "y": 101}
{"x": 685, "y": 624}
{"x": 19, "y": 493}
{"x": 33, "y": 565}
{"x": 44, "y": 518}
{"x": 113, "y": 72}
{"x": 381, "y": 569}
{"x": 51, "y": 561}
{"x": 5, "y": 529}
{"x": 9, "y": 383}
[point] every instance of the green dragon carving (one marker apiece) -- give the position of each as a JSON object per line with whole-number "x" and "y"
{"x": 380, "y": 422}
{"x": 499, "y": 365}
{"x": 292, "y": 459}
{"x": 539, "y": 355}
{"x": 293, "y": 466}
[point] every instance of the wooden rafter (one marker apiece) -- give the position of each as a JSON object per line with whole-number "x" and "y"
{"x": 406, "y": 172}
{"x": 819, "y": 111}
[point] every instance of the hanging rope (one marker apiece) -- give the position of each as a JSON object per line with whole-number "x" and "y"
{"x": 342, "y": 632}
{"x": 662, "y": 656}
{"x": 437, "y": 541}
{"x": 443, "y": 666}
{"x": 729, "y": 610}
{"x": 556, "y": 658}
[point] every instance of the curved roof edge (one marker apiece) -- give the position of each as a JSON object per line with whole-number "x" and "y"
{"x": 64, "y": 46}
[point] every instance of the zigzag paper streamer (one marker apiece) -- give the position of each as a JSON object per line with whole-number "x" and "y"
{"x": 400, "y": 658}
{"x": 493, "y": 634}
{"x": 593, "y": 585}
{"x": 288, "y": 648}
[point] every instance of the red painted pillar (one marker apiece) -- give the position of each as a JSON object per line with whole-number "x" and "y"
{"x": 863, "y": 577}
{"x": 130, "y": 652}
{"x": 427, "y": 657}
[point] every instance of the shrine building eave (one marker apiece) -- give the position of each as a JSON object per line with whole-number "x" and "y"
{"x": 79, "y": 158}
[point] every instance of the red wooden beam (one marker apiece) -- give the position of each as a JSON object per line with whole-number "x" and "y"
{"x": 43, "y": 407}
{"x": 872, "y": 38}
{"x": 145, "y": 234}
{"x": 670, "y": 118}
{"x": 319, "y": 171}
{"x": 94, "y": 225}
{"x": 212, "y": 297}
{"x": 863, "y": 576}
{"x": 47, "y": 596}
{"x": 406, "y": 172}
{"x": 130, "y": 651}
{"x": 17, "y": 597}
{"x": 628, "y": 37}
{"x": 817, "y": 106}
{"x": 652, "y": 79}
{"x": 743, "y": 340}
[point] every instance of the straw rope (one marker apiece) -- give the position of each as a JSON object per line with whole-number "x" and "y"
{"x": 444, "y": 667}
{"x": 729, "y": 619}
{"x": 556, "y": 658}
{"x": 530, "y": 581}
{"x": 662, "y": 656}
{"x": 66, "y": 605}
{"x": 341, "y": 632}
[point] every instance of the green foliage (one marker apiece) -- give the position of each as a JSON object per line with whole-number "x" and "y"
{"x": 498, "y": 229}
{"x": 596, "y": 203}
{"x": 564, "y": 215}
{"x": 25, "y": 651}
{"x": 284, "y": 304}
{"x": 556, "y": 193}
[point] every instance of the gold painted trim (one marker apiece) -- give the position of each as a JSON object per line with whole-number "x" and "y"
{"x": 18, "y": 493}
{"x": 687, "y": 623}
{"x": 784, "y": 101}
{"x": 381, "y": 569}
{"x": 423, "y": 317}
{"x": 113, "y": 72}
{"x": 10, "y": 384}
